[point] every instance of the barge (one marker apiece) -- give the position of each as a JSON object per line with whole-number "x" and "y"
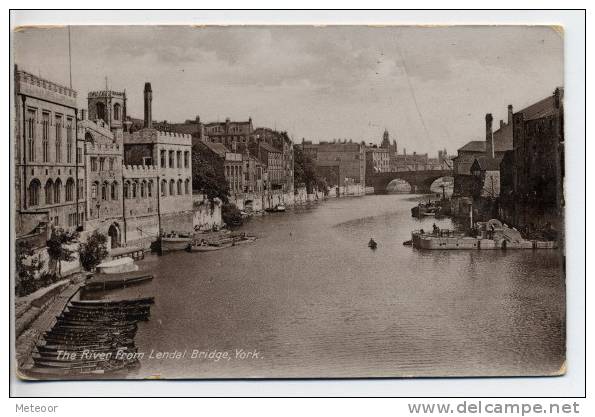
{"x": 488, "y": 236}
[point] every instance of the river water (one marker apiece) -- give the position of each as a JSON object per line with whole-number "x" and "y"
{"x": 312, "y": 300}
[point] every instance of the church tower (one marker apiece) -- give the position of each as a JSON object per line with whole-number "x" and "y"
{"x": 108, "y": 106}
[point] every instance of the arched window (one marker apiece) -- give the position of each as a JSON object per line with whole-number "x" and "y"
{"x": 134, "y": 186}
{"x": 89, "y": 137}
{"x": 104, "y": 188}
{"x": 187, "y": 186}
{"x": 58, "y": 191}
{"x": 179, "y": 160}
{"x": 180, "y": 186}
{"x": 172, "y": 185}
{"x": 114, "y": 190}
{"x": 172, "y": 156}
{"x": 143, "y": 187}
{"x": 163, "y": 188}
{"x": 126, "y": 189}
{"x": 69, "y": 189}
{"x": 34, "y": 187}
{"x": 100, "y": 111}
{"x": 94, "y": 188}
{"x": 49, "y": 192}
{"x": 117, "y": 111}
{"x": 150, "y": 189}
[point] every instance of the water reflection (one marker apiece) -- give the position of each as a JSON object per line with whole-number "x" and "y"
{"x": 315, "y": 301}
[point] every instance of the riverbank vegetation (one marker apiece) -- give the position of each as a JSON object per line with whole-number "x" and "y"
{"x": 304, "y": 172}
{"x": 93, "y": 251}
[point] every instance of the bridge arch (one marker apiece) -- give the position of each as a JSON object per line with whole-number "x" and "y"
{"x": 420, "y": 181}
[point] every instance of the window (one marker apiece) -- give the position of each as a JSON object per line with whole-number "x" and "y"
{"x": 150, "y": 189}
{"x": 31, "y": 116}
{"x": 69, "y": 141}
{"x": 104, "y": 191}
{"x": 117, "y": 111}
{"x": 81, "y": 188}
{"x": 93, "y": 164}
{"x": 49, "y": 192}
{"x": 114, "y": 190}
{"x": 58, "y": 136}
{"x": 58, "y": 191}
{"x": 126, "y": 189}
{"x": 94, "y": 190}
{"x": 34, "y": 187}
{"x": 163, "y": 159}
{"x": 134, "y": 186}
{"x": 180, "y": 183}
{"x": 111, "y": 164}
{"x": 147, "y": 161}
{"x": 100, "y": 108}
{"x": 79, "y": 155}
{"x": 143, "y": 187}
{"x": 171, "y": 159}
{"x": 186, "y": 159}
{"x": 163, "y": 188}
{"x": 45, "y": 135}
{"x": 69, "y": 189}
{"x": 101, "y": 164}
{"x": 172, "y": 185}
{"x": 179, "y": 160}
{"x": 187, "y": 187}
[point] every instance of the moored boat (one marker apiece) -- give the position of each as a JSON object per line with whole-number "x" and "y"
{"x": 487, "y": 236}
{"x": 170, "y": 244}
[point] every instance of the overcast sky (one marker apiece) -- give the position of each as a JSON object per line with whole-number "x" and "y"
{"x": 429, "y": 86}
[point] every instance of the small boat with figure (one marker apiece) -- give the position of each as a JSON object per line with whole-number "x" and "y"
{"x": 372, "y": 244}
{"x": 431, "y": 208}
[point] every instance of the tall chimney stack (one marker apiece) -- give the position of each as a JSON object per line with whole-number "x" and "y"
{"x": 489, "y": 137}
{"x": 510, "y": 114}
{"x": 148, "y": 110}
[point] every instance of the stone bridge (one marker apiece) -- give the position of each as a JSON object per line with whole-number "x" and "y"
{"x": 419, "y": 180}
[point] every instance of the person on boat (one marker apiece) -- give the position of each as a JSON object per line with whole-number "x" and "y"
{"x": 435, "y": 229}
{"x": 372, "y": 243}
{"x": 421, "y": 232}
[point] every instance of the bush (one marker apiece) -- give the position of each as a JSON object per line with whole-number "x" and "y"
{"x": 92, "y": 252}
{"x": 231, "y": 215}
{"x": 58, "y": 250}
{"x": 28, "y": 266}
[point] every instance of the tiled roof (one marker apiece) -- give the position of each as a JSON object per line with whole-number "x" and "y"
{"x": 269, "y": 148}
{"x": 488, "y": 164}
{"x": 217, "y": 148}
{"x": 474, "y": 146}
{"x": 542, "y": 108}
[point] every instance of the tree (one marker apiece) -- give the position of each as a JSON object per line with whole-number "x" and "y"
{"x": 208, "y": 175}
{"x": 304, "y": 171}
{"x": 92, "y": 252}
{"x": 232, "y": 216}
{"x": 28, "y": 265}
{"x": 58, "y": 250}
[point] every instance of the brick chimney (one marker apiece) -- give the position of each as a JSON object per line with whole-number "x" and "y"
{"x": 489, "y": 136}
{"x": 148, "y": 103}
{"x": 510, "y": 114}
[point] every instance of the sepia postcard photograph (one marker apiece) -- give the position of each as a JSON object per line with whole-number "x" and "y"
{"x": 288, "y": 201}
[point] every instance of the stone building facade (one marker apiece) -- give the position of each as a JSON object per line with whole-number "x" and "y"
{"x": 140, "y": 204}
{"x": 339, "y": 162}
{"x": 532, "y": 193}
{"x": 103, "y": 179}
{"x": 49, "y": 170}
{"x": 171, "y": 153}
{"x": 377, "y": 160}
{"x": 235, "y": 135}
